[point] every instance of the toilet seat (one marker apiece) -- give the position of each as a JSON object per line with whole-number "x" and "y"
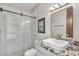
{"x": 30, "y": 52}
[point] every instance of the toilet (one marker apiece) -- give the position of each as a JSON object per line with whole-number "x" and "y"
{"x": 30, "y": 52}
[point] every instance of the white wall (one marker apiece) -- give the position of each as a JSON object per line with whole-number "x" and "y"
{"x": 76, "y": 21}
{"x": 42, "y": 10}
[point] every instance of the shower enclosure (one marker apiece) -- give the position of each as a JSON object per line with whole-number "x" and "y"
{"x": 17, "y": 33}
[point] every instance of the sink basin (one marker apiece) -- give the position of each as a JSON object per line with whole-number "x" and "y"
{"x": 56, "y": 44}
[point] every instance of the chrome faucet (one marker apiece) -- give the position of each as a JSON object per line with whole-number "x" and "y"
{"x": 59, "y": 36}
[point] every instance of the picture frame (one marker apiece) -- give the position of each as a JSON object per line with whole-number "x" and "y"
{"x": 41, "y": 25}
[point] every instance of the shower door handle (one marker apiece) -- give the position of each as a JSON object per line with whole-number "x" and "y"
{"x": 0, "y": 30}
{"x": 0, "y": 36}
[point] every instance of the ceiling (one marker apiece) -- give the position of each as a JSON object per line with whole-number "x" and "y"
{"x": 21, "y": 6}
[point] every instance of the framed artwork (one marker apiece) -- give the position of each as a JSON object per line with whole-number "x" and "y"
{"x": 41, "y": 25}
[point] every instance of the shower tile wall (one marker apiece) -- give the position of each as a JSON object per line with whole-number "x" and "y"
{"x": 3, "y": 29}
{"x": 16, "y": 35}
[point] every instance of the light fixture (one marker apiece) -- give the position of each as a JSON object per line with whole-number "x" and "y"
{"x": 27, "y": 21}
{"x": 57, "y": 5}
{"x": 62, "y": 4}
{"x": 52, "y": 8}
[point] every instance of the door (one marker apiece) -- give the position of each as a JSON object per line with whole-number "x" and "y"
{"x": 69, "y": 22}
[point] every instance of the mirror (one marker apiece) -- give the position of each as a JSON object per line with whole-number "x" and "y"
{"x": 62, "y": 23}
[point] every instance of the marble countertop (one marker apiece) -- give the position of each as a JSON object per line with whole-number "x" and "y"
{"x": 71, "y": 51}
{"x": 68, "y": 52}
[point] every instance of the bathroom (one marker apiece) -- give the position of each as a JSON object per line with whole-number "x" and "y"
{"x": 25, "y": 26}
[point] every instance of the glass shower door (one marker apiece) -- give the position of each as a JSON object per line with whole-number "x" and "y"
{"x": 3, "y": 34}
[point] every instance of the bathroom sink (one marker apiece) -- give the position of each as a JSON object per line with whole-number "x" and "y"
{"x": 56, "y": 44}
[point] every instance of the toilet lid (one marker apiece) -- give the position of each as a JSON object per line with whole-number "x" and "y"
{"x": 30, "y": 52}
